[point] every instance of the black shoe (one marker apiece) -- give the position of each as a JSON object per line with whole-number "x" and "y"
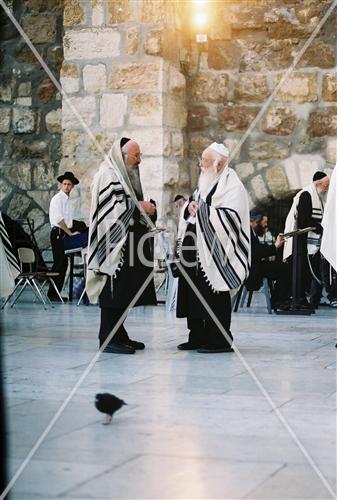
{"x": 213, "y": 349}
{"x": 188, "y": 346}
{"x": 139, "y": 346}
{"x": 119, "y": 348}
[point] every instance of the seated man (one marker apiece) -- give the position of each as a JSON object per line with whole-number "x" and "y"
{"x": 261, "y": 268}
{"x": 66, "y": 233}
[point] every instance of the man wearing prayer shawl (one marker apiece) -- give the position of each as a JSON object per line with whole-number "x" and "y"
{"x": 215, "y": 252}
{"x": 307, "y": 211}
{"x": 120, "y": 256}
{"x": 329, "y": 223}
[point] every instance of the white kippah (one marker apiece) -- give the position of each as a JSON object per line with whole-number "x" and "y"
{"x": 220, "y": 149}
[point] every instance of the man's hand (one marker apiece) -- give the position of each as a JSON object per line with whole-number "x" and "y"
{"x": 193, "y": 208}
{"x": 279, "y": 240}
{"x": 148, "y": 207}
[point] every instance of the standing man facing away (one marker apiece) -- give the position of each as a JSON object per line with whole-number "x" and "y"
{"x": 215, "y": 252}
{"x": 120, "y": 257}
{"x": 64, "y": 227}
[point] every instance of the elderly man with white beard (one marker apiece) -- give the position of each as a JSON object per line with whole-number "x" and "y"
{"x": 215, "y": 253}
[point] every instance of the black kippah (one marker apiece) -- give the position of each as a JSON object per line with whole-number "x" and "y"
{"x": 318, "y": 176}
{"x": 124, "y": 140}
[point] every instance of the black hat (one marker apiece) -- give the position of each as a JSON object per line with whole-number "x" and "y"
{"x": 256, "y": 214}
{"x": 318, "y": 176}
{"x": 124, "y": 140}
{"x": 69, "y": 176}
{"x": 178, "y": 197}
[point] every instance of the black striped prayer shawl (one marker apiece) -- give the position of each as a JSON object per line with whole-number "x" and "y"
{"x": 9, "y": 265}
{"x": 223, "y": 233}
{"x": 314, "y": 239}
{"x": 112, "y": 207}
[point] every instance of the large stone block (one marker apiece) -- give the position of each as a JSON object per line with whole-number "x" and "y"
{"x": 113, "y": 110}
{"x": 237, "y": 118}
{"x": 5, "y": 120}
{"x": 95, "y": 43}
{"x": 263, "y": 56}
{"x": 198, "y": 143}
{"x": 73, "y": 13}
{"x": 224, "y": 55}
{"x": 177, "y": 142}
{"x": 319, "y": 54}
{"x": 122, "y": 11}
{"x": 42, "y": 198}
{"x": 132, "y": 40}
{"x": 97, "y": 18}
{"x": 6, "y": 189}
{"x": 70, "y": 142}
{"x": 40, "y": 28}
{"x": 220, "y": 31}
{"x": 322, "y": 122}
{"x": 281, "y": 23}
{"x": 170, "y": 173}
{"x": 279, "y": 120}
{"x": 297, "y": 87}
{"x": 43, "y": 176}
{"x": 35, "y": 5}
{"x": 265, "y": 150}
{"x": 330, "y": 87}
{"x": 300, "y": 169}
{"x": 46, "y": 90}
{"x": 251, "y": 87}
{"x": 25, "y": 89}
{"x": 39, "y": 217}
{"x": 94, "y": 77}
{"x": 151, "y": 140}
{"x": 331, "y": 150}
{"x": 19, "y": 175}
{"x": 277, "y": 181}
{"x": 208, "y": 86}
{"x": 244, "y": 17}
{"x": 24, "y": 120}
{"x": 69, "y": 78}
{"x": 145, "y": 109}
{"x": 138, "y": 76}
{"x": 54, "y": 121}
{"x": 259, "y": 188}
{"x": 198, "y": 118}
{"x": 24, "y": 148}
{"x": 5, "y": 89}
{"x": 244, "y": 170}
{"x": 154, "y": 43}
{"x": 177, "y": 82}
{"x": 18, "y": 206}
{"x": 153, "y": 11}
{"x": 102, "y": 143}
{"x": 84, "y": 106}
{"x": 174, "y": 113}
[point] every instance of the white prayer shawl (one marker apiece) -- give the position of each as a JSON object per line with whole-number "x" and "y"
{"x": 223, "y": 233}
{"x": 9, "y": 265}
{"x": 112, "y": 207}
{"x": 329, "y": 223}
{"x": 314, "y": 239}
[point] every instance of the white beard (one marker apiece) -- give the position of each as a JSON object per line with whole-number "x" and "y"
{"x": 206, "y": 179}
{"x": 134, "y": 176}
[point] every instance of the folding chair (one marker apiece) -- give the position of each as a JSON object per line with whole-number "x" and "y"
{"x": 266, "y": 292}
{"x": 30, "y": 278}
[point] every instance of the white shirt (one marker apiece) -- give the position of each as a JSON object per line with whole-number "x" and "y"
{"x": 60, "y": 208}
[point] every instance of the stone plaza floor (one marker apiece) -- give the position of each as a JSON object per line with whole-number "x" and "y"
{"x": 196, "y": 425}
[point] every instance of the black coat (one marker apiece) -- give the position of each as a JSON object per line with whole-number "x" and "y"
{"x": 259, "y": 251}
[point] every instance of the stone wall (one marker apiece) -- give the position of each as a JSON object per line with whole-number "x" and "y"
{"x": 30, "y": 112}
{"x": 251, "y": 44}
{"x": 121, "y": 73}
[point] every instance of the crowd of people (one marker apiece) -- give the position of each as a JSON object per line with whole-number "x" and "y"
{"x": 221, "y": 246}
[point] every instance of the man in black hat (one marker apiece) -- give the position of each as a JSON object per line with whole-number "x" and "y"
{"x": 65, "y": 232}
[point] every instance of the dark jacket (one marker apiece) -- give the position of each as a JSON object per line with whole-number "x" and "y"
{"x": 259, "y": 251}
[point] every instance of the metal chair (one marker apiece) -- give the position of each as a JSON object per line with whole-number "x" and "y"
{"x": 239, "y": 298}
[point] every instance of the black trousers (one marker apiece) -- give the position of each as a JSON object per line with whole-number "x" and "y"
{"x": 60, "y": 259}
{"x": 109, "y": 319}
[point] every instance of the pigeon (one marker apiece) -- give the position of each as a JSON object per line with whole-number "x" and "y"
{"x": 108, "y": 404}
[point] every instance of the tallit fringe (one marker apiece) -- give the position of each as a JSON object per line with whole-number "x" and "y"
{"x": 205, "y": 275}
{"x": 118, "y": 268}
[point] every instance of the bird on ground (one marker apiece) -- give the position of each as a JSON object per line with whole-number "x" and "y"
{"x": 108, "y": 404}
